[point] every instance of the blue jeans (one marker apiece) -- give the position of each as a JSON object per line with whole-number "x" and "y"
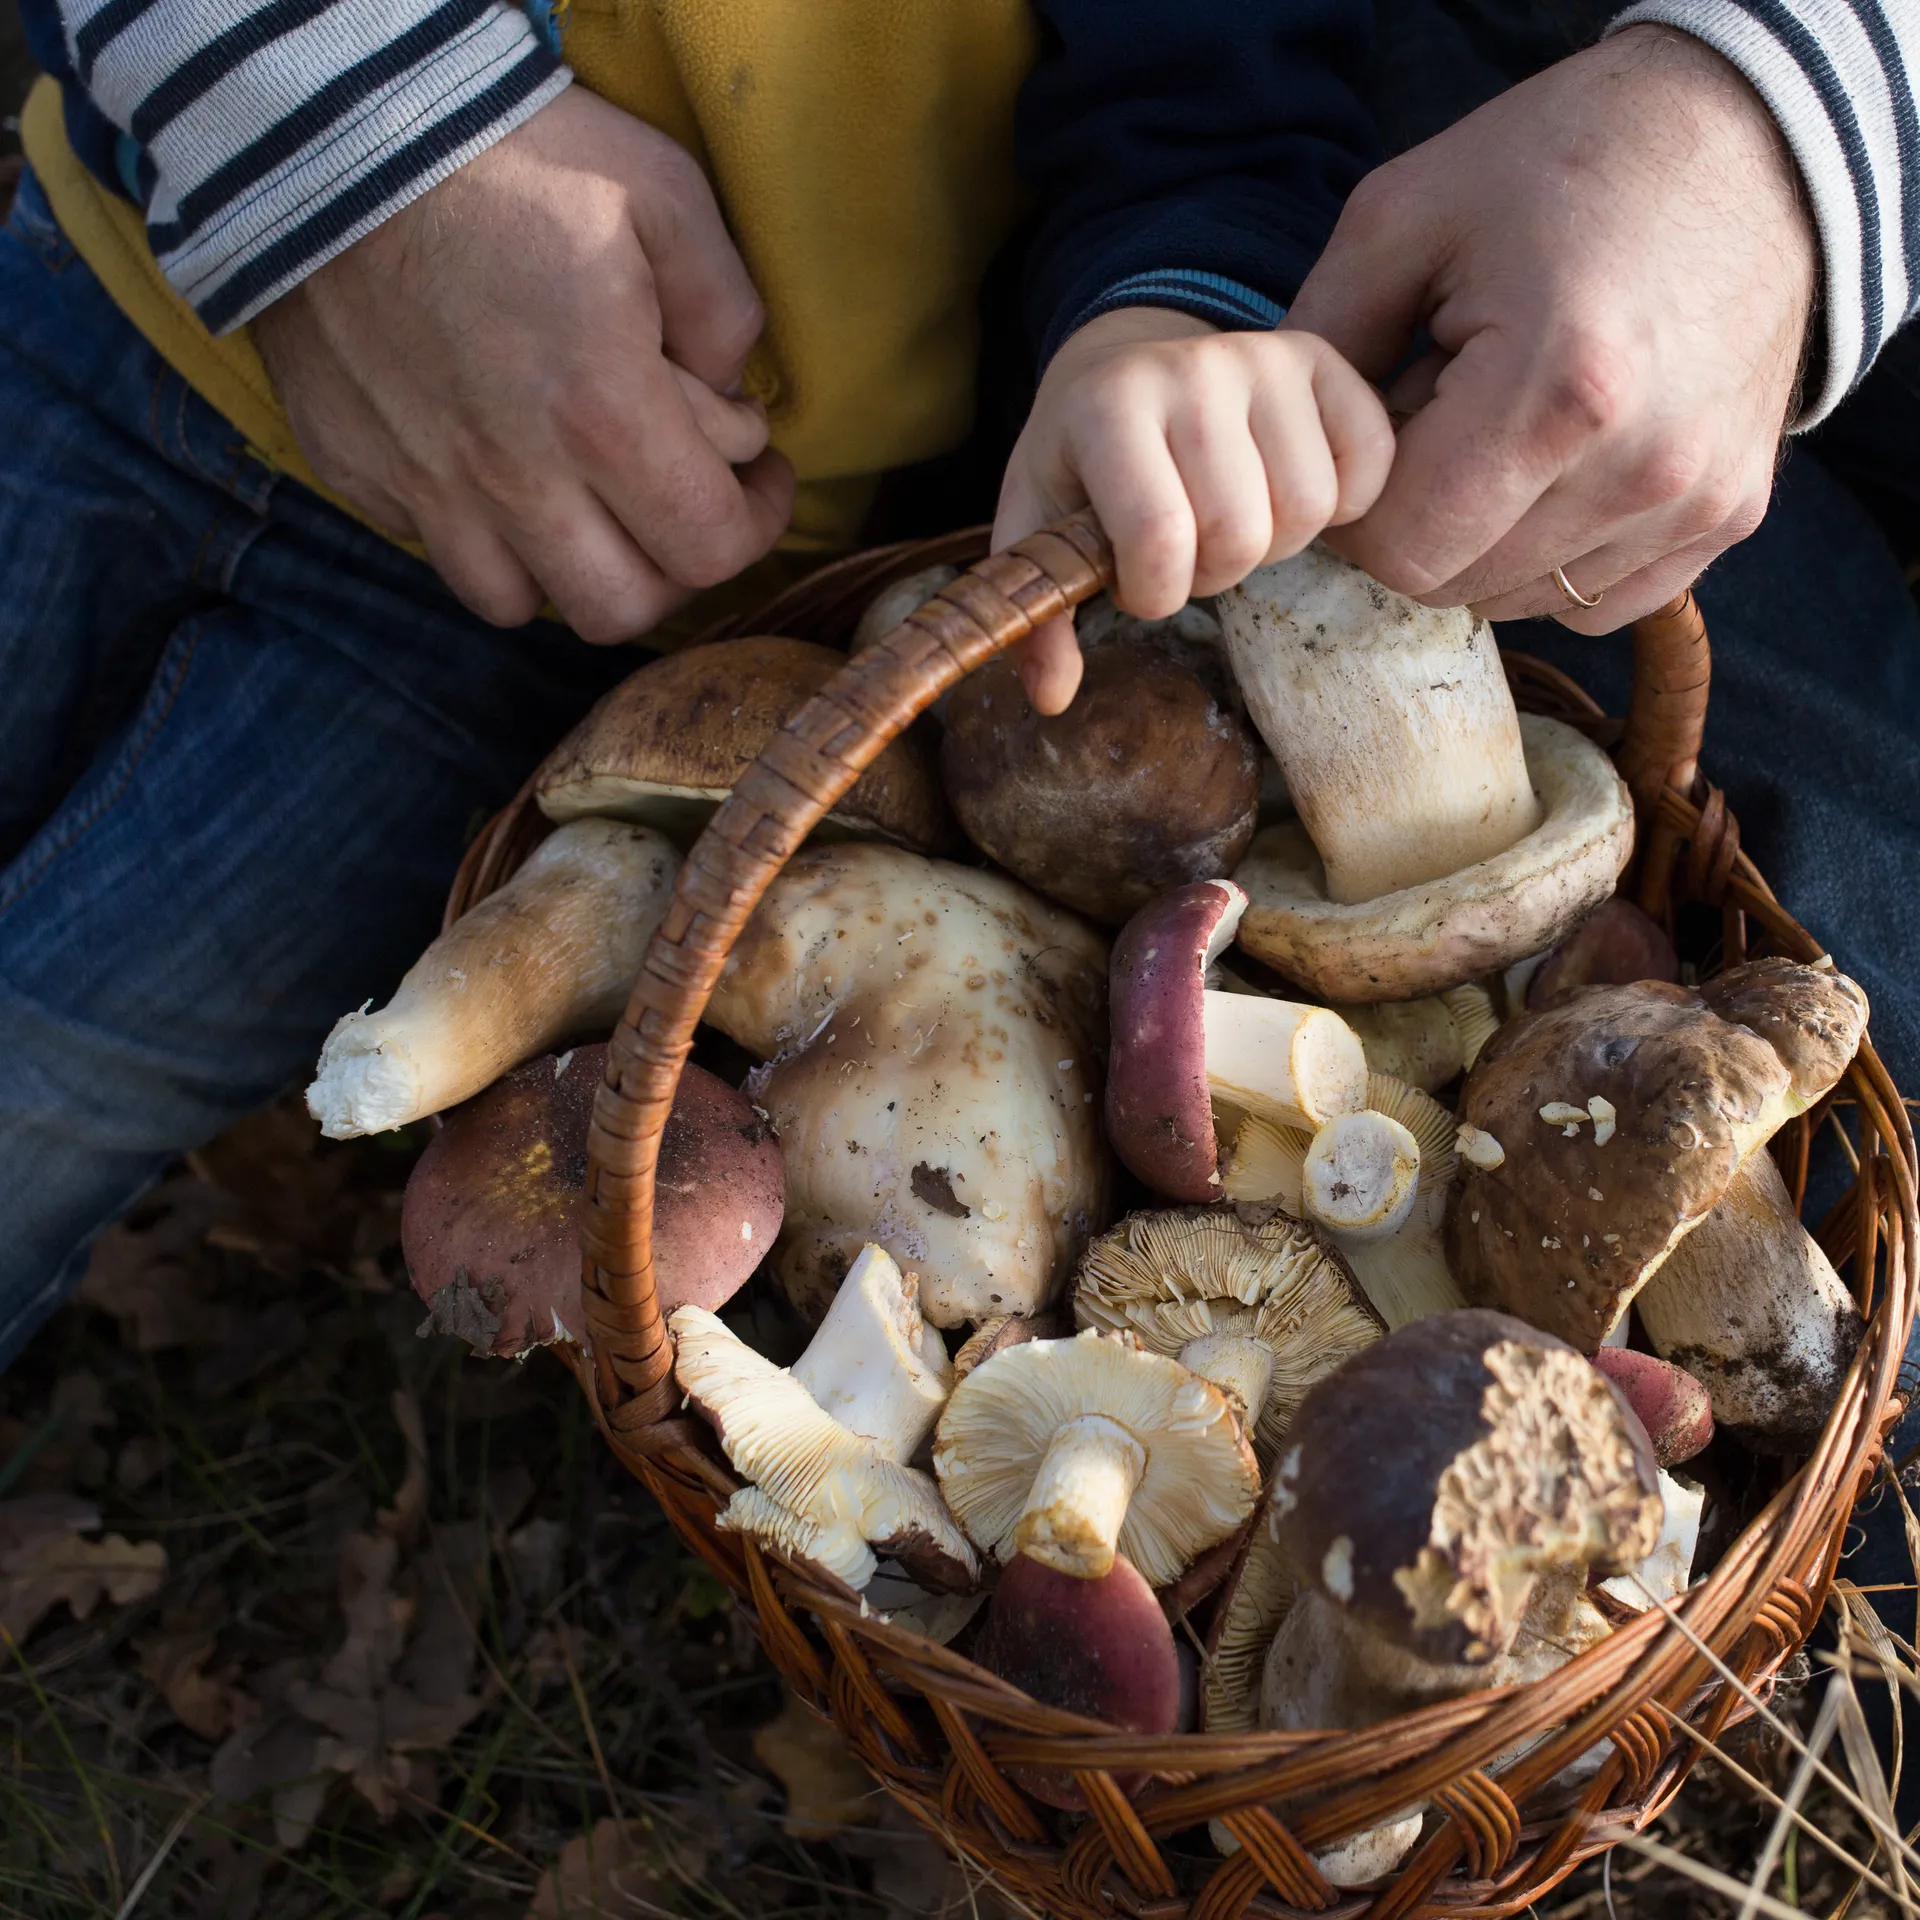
{"x": 242, "y": 743}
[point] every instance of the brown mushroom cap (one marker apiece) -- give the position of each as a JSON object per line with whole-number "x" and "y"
{"x": 491, "y": 1221}
{"x": 668, "y": 743}
{"x": 1679, "y": 1084}
{"x": 1147, "y": 781}
{"x": 1434, "y": 1476}
{"x": 1101, "y": 1648}
{"x": 1613, "y": 947}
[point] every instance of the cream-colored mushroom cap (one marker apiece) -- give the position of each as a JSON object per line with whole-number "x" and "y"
{"x": 821, "y": 1490}
{"x": 666, "y": 745}
{"x": 1426, "y": 938}
{"x": 1069, "y": 1449}
{"x": 1258, "y": 1303}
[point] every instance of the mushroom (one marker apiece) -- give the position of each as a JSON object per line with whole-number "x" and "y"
{"x": 1247, "y": 1298}
{"x": 491, "y": 1221}
{"x": 1667, "y": 1571}
{"x": 1403, "y": 1272}
{"x": 1425, "y": 1042}
{"x": 667, "y": 744}
{"x": 1440, "y": 835}
{"x": 1360, "y": 1175}
{"x": 1075, "y": 1450}
{"x": 1005, "y": 1330}
{"x": 1750, "y": 1305}
{"x": 1098, "y": 1647}
{"x": 1614, "y": 946}
{"x": 898, "y": 600}
{"x": 932, "y": 1033}
{"x": 551, "y": 955}
{"x": 1178, "y": 1045}
{"x": 1620, "y": 1115}
{"x": 1258, "y": 1595}
{"x": 829, "y": 1481}
{"x": 1667, "y": 1400}
{"x": 1441, "y": 1488}
{"x": 1150, "y": 779}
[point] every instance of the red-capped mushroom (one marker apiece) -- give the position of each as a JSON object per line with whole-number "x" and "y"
{"x": 1672, "y": 1405}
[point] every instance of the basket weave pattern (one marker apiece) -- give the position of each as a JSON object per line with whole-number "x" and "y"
{"x": 938, "y": 1731}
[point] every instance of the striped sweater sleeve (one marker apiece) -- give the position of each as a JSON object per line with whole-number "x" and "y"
{"x": 1839, "y": 76}
{"x": 264, "y": 138}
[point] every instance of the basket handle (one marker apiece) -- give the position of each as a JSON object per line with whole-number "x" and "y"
{"x": 820, "y": 752}
{"x": 814, "y": 758}
{"x": 1667, "y": 713}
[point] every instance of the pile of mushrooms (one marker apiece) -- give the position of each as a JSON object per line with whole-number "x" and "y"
{"x": 1447, "y": 1232}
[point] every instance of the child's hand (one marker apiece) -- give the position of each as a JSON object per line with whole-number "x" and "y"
{"x": 1205, "y": 455}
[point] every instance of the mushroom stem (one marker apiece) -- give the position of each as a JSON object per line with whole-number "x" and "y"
{"x": 1073, "y": 1514}
{"x": 875, "y": 1364}
{"x": 1393, "y": 723}
{"x": 1297, "y": 1064}
{"x": 551, "y": 955}
{"x": 1236, "y": 1364}
{"x": 1361, "y": 1175}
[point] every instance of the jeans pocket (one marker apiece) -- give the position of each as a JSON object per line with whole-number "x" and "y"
{"x": 31, "y": 220}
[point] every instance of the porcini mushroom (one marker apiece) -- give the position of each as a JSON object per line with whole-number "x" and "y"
{"x": 1614, "y": 946}
{"x": 1098, "y": 1647}
{"x": 1247, "y": 1298}
{"x": 932, "y": 1032}
{"x": 1149, "y": 780}
{"x": 1178, "y": 1045}
{"x": 1621, "y": 1114}
{"x": 1436, "y": 1490}
{"x": 830, "y": 1482}
{"x": 1441, "y": 835}
{"x": 552, "y": 955}
{"x": 895, "y": 601}
{"x": 1075, "y": 1450}
{"x": 1751, "y": 1307}
{"x": 667, "y": 744}
{"x": 491, "y": 1222}
{"x": 1403, "y": 1272}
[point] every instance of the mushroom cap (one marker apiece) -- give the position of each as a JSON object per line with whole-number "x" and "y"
{"x": 933, "y": 1033}
{"x": 1200, "y": 1479}
{"x": 1099, "y": 1648}
{"x": 832, "y": 1488}
{"x": 1435, "y": 1475}
{"x": 491, "y": 1221}
{"x": 1669, "y": 1402}
{"x": 667, "y": 744}
{"x": 1172, "y": 1277}
{"x": 1145, "y": 782}
{"x": 896, "y": 601}
{"x": 1005, "y": 1330}
{"x": 1159, "y": 1112}
{"x": 1617, "y": 944}
{"x": 1426, "y": 938}
{"x": 1579, "y": 1215}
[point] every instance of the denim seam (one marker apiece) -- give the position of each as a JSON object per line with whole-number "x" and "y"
{"x": 22, "y": 883}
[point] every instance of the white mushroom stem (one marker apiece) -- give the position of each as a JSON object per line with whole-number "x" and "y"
{"x": 1361, "y": 1175}
{"x": 1296, "y": 1064}
{"x": 1073, "y": 1514}
{"x": 552, "y": 954}
{"x": 1236, "y": 1364}
{"x": 875, "y": 1364}
{"x": 1393, "y": 723}
{"x": 1666, "y": 1572}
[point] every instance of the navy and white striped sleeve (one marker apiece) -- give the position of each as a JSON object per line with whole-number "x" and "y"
{"x": 1839, "y": 77}
{"x": 262, "y": 139}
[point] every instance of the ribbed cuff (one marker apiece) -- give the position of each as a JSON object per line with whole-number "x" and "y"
{"x": 1207, "y": 296}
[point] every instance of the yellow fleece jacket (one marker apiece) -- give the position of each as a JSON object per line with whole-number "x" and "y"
{"x": 862, "y": 153}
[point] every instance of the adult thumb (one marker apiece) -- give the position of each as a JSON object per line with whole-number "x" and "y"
{"x": 1370, "y": 292}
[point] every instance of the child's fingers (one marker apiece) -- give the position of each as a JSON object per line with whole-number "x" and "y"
{"x": 1136, "y": 488}
{"x": 1359, "y": 432}
{"x": 1299, "y": 476}
{"x": 1049, "y": 663}
{"x": 1226, "y": 478}
{"x": 1048, "y": 660}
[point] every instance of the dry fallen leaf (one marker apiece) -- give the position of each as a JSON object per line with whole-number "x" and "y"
{"x": 173, "y": 1659}
{"x": 141, "y": 1270}
{"x": 827, "y": 1788}
{"x": 43, "y": 1560}
{"x": 610, "y": 1871}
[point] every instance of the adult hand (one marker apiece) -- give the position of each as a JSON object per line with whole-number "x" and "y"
{"x": 1205, "y": 454}
{"x": 527, "y": 367}
{"x": 1616, "y": 267}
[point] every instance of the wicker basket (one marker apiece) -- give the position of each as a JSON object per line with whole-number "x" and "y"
{"x": 940, "y": 1732}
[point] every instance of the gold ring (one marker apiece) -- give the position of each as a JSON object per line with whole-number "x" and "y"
{"x": 1574, "y": 596}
